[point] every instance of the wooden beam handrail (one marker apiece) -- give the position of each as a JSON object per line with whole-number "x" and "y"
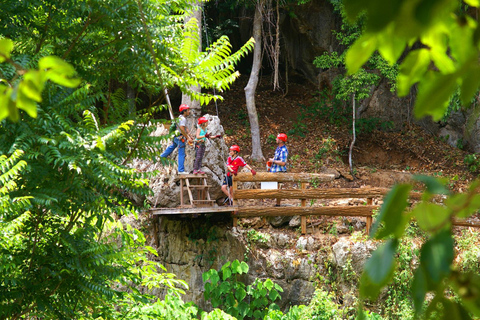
{"x": 284, "y": 177}
{"x": 320, "y": 193}
{"x": 316, "y": 193}
{"x": 261, "y": 211}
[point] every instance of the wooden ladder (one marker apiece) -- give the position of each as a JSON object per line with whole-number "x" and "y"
{"x": 201, "y": 188}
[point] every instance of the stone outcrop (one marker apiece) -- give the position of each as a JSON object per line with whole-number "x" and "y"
{"x": 190, "y": 247}
{"x": 165, "y": 185}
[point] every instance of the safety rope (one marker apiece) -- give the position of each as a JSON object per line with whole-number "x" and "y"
{"x": 206, "y": 39}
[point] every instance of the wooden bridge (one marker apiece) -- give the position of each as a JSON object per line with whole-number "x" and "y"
{"x": 195, "y": 189}
{"x": 298, "y": 184}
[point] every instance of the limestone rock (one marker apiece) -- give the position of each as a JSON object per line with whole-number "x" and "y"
{"x": 165, "y": 185}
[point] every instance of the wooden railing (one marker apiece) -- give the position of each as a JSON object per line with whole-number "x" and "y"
{"x": 302, "y": 193}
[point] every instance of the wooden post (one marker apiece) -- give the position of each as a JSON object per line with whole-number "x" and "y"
{"x": 235, "y": 202}
{"x": 181, "y": 191}
{"x": 303, "y": 219}
{"x": 369, "y": 218}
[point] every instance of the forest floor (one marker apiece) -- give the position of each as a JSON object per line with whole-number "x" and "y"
{"x": 319, "y": 137}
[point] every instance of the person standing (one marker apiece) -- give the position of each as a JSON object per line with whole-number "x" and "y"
{"x": 279, "y": 160}
{"x": 234, "y": 162}
{"x": 200, "y": 139}
{"x": 181, "y": 136}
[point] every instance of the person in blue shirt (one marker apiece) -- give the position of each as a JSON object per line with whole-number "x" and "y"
{"x": 279, "y": 161}
{"x": 181, "y": 136}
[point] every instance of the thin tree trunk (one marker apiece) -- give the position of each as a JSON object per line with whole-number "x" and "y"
{"x": 276, "y": 81}
{"x": 251, "y": 87}
{"x": 194, "y": 104}
{"x": 354, "y": 137}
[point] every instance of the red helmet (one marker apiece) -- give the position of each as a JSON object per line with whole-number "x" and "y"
{"x": 202, "y": 120}
{"x": 235, "y": 148}
{"x": 282, "y": 136}
{"x": 183, "y": 107}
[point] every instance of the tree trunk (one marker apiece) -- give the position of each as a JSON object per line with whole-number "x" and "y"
{"x": 194, "y": 104}
{"x": 251, "y": 87}
{"x": 354, "y": 136}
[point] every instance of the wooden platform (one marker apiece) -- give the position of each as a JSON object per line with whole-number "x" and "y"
{"x": 174, "y": 211}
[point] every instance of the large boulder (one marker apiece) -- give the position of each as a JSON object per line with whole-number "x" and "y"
{"x": 166, "y": 185}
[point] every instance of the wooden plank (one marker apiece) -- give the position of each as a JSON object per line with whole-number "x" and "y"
{"x": 369, "y": 219}
{"x": 303, "y": 219}
{"x": 261, "y": 211}
{"x": 190, "y": 195}
{"x": 181, "y": 192}
{"x": 463, "y": 223}
{"x": 320, "y": 193}
{"x": 175, "y": 211}
{"x": 235, "y": 202}
{"x": 283, "y": 177}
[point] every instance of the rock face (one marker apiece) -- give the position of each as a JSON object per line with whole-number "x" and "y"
{"x": 190, "y": 247}
{"x": 165, "y": 185}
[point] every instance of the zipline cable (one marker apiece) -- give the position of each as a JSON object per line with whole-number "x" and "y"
{"x": 206, "y": 40}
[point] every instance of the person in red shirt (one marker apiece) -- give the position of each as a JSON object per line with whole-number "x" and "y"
{"x": 234, "y": 162}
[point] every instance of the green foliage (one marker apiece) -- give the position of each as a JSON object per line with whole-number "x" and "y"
{"x": 254, "y": 236}
{"x": 468, "y": 251}
{"x": 434, "y": 272}
{"x": 293, "y": 313}
{"x": 359, "y": 82}
{"x": 472, "y": 162}
{"x": 327, "y": 147}
{"x": 225, "y": 290}
{"x": 444, "y": 37}
{"x": 64, "y": 162}
{"x": 322, "y": 307}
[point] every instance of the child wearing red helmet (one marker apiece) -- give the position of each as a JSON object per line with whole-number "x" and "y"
{"x": 279, "y": 160}
{"x": 200, "y": 139}
{"x": 234, "y": 162}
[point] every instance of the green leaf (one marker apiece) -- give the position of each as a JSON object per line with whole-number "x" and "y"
{"x": 236, "y": 266}
{"x": 378, "y": 270}
{"x": 273, "y": 295}
{"x": 412, "y": 70}
{"x": 391, "y": 212}
{"x": 390, "y": 46}
{"x": 434, "y": 94}
{"x": 381, "y": 13}
{"x": 58, "y": 71}
{"x": 381, "y": 262}
{"x": 26, "y": 104}
{"x": 360, "y": 52}
{"x": 419, "y": 289}
{"x": 268, "y": 284}
{"x": 437, "y": 256}
{"x": 434, "y": 185}
{"x": 430, "y": 217}
{"x": 244, "y": 267}
{"x": 5, "y": 93}
{"x": 226, "y": 273}
{"x": 473, "y": 3}
{"x": 6, "y": 47}
{"x": 470, "y": 84}
{"x": 463, "y": 204}
{"x": 240, "y": 294}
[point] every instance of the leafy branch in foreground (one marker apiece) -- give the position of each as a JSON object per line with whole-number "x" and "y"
{"x": 436, "y": 273}
{"x": 439, "y": 40}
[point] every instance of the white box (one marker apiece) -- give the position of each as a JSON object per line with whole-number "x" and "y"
{"x": 268, "y": 185}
